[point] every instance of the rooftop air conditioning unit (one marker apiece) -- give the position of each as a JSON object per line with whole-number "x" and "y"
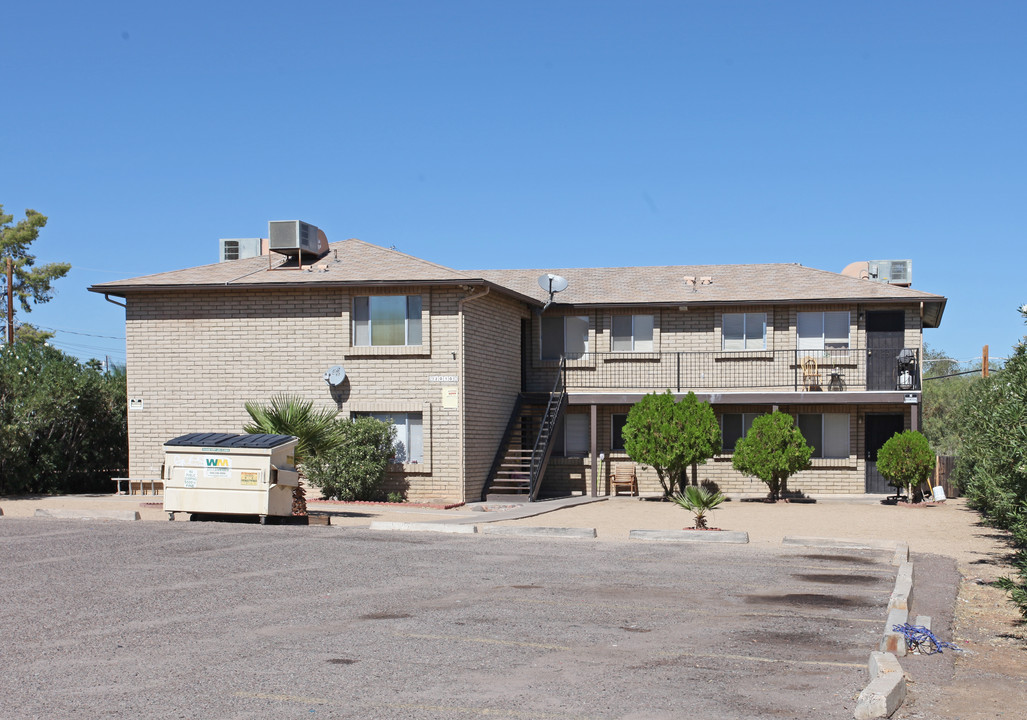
{"x": 894, "y": 272}
{"x": 293, "y": 238}
{"x": 238, "y": 248}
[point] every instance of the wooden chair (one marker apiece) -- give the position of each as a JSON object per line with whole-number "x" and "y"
{"x": 623, "y": 475}
{"x": 810, "y": 374}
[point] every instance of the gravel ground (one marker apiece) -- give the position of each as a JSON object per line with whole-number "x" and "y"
{"x": 107, "y": 619}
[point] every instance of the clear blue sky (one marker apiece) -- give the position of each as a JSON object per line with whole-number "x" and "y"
{"x": 526, "y": 134}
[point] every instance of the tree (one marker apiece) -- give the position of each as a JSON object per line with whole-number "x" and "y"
{"x": 943, "y": 391}
{"x": 773, "y": 450}
{"x": 30, "y": 284}
{"x": 992, "y": 466}
{"x": 63, "y": 423}
{"x": 355, "y": 469}
{"x": 670, "y": 436}
{"x": 906, "y": 460}
{"x": 316, "y": 432}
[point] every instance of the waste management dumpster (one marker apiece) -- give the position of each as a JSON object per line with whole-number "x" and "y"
{"x": 227, "y": 474}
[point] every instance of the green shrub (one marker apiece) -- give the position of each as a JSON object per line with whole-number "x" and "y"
{"x": 670, "y": 436}
{"x": 355, "y": 468}
{"x": 63, "y": 424}
{"x": 906, "y": 460}
{"x": 700, "y": 501}
{"x": 773, "y": 450}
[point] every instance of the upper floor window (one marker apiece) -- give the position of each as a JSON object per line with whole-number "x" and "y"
{"x": 632, "y": 333}
{"x": 744, "y": 331}
{"x": 827, "y": 434}
{"x": 564, "y": 335}
{"x": 387, "y": 320}
{"x": 823, "y": 330}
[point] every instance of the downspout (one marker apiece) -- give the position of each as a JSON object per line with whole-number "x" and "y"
{"x": 463, "y": 388}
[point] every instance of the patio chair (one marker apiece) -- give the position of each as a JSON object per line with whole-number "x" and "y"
{"x": 623, "y": 475}
{"x": 810, "y": 374}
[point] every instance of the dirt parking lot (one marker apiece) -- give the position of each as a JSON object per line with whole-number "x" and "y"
{"x": 227, "y": 620}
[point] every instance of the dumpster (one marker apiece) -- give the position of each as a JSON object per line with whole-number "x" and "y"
{"x": 228, "y": 474}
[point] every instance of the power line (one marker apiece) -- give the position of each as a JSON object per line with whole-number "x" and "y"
{"x": 74, "y": 332}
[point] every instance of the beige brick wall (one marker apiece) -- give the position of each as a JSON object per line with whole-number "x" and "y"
{"x": 196, "y": 357}
{"x": 492, "y": 381}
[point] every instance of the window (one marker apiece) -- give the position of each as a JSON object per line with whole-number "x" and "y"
{"x": 617, "y": 423}
{"x": 827, "y": 434}
{"x": 409, "y": 445}
{"x": 572, "y": 438}
{"x": 823, "y": 330}
{"x": 564, "y": 335}
{"x": 632, "y": 333}
{"x": 744, "y": 331}
{"x": 734, "y": 427}
{"x": 387, "y": 320}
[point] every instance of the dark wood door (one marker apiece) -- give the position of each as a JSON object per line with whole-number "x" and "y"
{"x": 878, "y": 429}
{"x": 885, "y": 338}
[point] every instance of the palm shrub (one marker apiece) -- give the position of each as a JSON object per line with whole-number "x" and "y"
{"x": 773, "y": 450}
{"x": 355, "y": 468}
{"x": 906, "y": 460}
{"x": 315, "y": 430}
{"x": 700, "y": 501}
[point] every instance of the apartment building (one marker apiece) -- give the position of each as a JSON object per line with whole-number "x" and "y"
{"x": 494, "y": 384}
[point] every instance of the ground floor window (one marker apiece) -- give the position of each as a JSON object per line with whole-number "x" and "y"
{"x": 734, "y": 427}
{"x": 409, "y": 445}
{"x": 617, "y": 423}
{"x": 826, "y": 433}
{"x": 572, "y": 438}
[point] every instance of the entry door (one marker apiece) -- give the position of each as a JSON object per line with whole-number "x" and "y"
{"x": 885, "y": 338}
{"x": 879, "y": 429}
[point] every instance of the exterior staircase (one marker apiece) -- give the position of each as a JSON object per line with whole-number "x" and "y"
{"x": 524, "y": 453}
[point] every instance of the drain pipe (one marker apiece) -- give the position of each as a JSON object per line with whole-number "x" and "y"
{"x": 114, "y": 302}
{"x": 462, "y": 388}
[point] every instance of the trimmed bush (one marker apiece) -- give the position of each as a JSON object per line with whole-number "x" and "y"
{"x": 355, "y": 468}
{"x": 773, "y": 450}
{"x": 906, "y": 460}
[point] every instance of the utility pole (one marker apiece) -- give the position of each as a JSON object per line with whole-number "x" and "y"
{"x": 984, "y": 362}
{"x": 10, "y": 303}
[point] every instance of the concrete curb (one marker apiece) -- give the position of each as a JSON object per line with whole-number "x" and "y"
{"x": 546, "y": 532}
{"x": 898, "y": 611}
{"x": 87, "y": 514}
{"x": 690, "y": 536}
{"x": 886, "y": 690}
{"x": 424, "y": 527}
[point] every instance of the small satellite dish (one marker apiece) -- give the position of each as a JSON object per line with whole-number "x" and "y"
{"x": 335, "y": 375}
{"x": 552, "y": 283}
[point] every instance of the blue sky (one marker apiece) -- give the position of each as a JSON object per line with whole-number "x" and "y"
{"x": 525, "y": 134}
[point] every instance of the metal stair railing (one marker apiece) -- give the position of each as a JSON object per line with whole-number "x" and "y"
{"x": 543, "y": 445}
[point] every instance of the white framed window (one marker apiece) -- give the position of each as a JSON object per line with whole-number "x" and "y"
{"x": 826, "y": 433}
{"x": 409, "y": 427}
{"x": 734, "y": 427}
{"x": 387, "y": 320}
{"x": 572, "y": 438}
{"x": 822, "y": 330}
{"x": 744, "y": 331}
{"x": 632, "y": 333}
{"x": 617, "y": 423}
{"x": 564, "y": 335}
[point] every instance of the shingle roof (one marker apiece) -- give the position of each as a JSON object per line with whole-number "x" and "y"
{"x": 354, "y": 262}
{"x": 752, "y": 284}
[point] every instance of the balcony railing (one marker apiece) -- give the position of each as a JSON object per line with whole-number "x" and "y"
{"x": 832, "y": 370}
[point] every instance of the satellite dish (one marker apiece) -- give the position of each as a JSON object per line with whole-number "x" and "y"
{"x": 552, "y": 283}
{"x": 335, "y": 375}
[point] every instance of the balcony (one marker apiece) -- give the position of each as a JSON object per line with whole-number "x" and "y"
{"x": 832, "y": 370}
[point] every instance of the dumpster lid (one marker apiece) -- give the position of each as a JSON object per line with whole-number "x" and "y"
{"x": 230, "y": 440}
